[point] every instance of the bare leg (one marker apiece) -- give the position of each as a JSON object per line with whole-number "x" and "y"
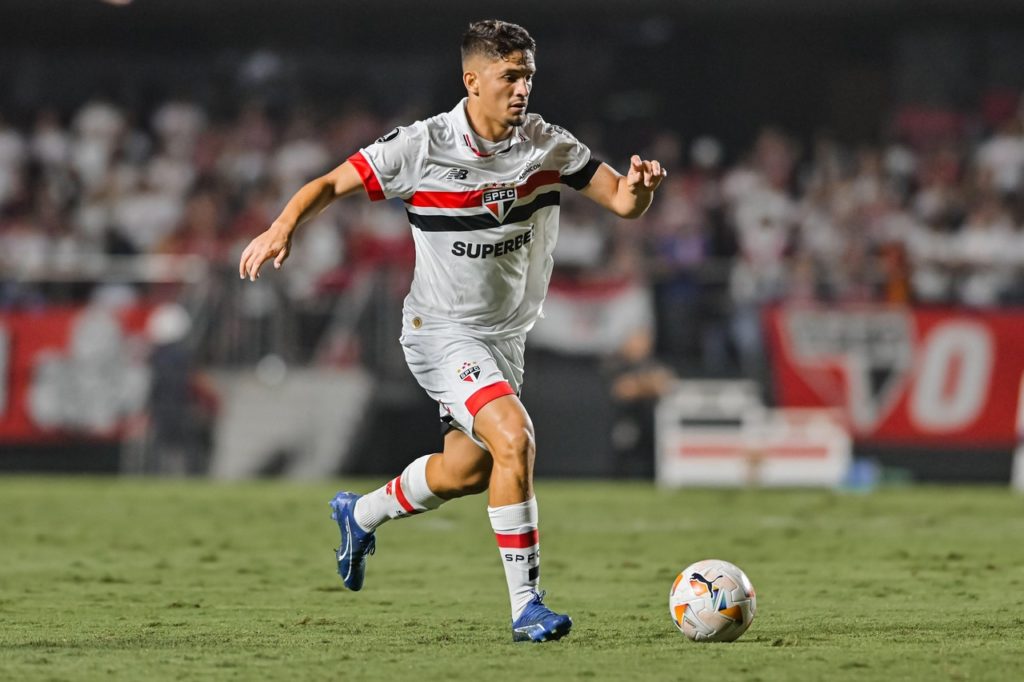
{"x": 505, "y": 427}
{"x": 464, "y": 468}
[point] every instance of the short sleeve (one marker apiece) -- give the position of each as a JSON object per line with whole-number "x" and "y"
{"x": 570, "y": 155}
{"x": 573, "y": 158}
{"x": 390, "y": 166}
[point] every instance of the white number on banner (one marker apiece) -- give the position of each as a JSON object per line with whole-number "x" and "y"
{"x": 954, "y": 377}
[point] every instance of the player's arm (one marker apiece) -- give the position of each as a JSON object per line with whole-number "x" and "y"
{"x": 629, "y": 195}
{"x": 309, "y": 201}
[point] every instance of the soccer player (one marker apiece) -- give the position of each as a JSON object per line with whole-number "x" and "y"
{"x": 481, "y": 186}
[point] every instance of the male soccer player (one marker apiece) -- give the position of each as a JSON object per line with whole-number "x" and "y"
{"x": 481, "y": 186}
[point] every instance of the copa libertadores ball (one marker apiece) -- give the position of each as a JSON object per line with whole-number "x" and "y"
{"x": 712, "y": 601}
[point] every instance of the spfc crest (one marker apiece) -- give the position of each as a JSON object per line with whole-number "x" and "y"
{"x": 499, "y": 201}
{"x": 469, "y": 372}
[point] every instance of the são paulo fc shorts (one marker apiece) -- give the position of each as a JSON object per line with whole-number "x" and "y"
{"x": 463, "y": 374}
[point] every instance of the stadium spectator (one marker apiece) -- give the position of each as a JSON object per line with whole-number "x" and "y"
{"x": 932, "y": 218}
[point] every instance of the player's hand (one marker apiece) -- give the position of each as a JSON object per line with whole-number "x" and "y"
{"x": 274, "y": 244}
{"x": 644, "y": 176}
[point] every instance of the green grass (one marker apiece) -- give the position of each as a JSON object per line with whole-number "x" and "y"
{"x": 123, "y": 579}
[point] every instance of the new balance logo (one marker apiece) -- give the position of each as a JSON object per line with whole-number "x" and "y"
{"x": 456, "y": 174}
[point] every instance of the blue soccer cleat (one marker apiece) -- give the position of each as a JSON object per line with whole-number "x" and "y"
{"x": 538, "y": 623}
{"x": 356, "y": 543}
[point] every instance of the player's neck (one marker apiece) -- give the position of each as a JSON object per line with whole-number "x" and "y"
{"x": 486, "y": 128}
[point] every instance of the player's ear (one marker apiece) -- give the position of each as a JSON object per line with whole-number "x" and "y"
{"x": 472, "y": 82}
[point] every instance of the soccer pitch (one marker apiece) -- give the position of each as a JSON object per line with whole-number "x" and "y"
{"x": 130, "y": 579}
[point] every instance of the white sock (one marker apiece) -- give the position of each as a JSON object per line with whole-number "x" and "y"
{"x": 515, "y": 527}
{"x": 401, "y": 496}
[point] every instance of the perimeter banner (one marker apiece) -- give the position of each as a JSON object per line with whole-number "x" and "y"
{"x": 71, "y": 373}
{"x": 939, "y": 378}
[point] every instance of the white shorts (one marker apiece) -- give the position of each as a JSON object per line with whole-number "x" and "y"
{"x": 463, "y": 374}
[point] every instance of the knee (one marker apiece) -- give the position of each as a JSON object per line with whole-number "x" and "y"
{"x": 515, "y": 447}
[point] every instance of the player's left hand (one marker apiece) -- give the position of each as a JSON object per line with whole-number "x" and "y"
{"x": 644, "y": 176}
{"x": 274, "y": 243}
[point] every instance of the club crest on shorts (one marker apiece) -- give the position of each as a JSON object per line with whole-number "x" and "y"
{"x": 469, "y": 372}
{"x": 499, "y": 201}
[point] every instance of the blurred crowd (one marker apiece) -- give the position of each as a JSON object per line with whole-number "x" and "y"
{"x": 932, "y": 219}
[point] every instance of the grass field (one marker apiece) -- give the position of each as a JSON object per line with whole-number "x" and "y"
{"x": 107, "y": 579}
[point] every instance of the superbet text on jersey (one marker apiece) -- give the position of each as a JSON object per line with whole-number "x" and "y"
{"x": 484, "y": 217}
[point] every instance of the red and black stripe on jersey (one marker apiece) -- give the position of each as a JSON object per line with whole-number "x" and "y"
{"x": 474, "y": 198}
{"x": 545, "y": 181}
{"x": 482, "y": 221}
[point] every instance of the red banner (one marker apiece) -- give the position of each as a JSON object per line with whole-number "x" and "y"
{"x": 929, "y": 378}
{"x": 71, "y": 372}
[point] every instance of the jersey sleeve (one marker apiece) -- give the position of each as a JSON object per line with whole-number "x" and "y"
{"x": 390, "y": 166}
{"x": 576, "y": 165}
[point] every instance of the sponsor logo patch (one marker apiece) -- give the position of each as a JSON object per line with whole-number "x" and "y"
{"x": 493, "y": 250}
{"x": 526, "y": 173}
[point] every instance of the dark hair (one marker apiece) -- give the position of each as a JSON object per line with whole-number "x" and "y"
{"x": 496, "y": 39}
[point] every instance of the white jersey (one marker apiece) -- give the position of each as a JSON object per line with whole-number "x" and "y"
{"x": 484, "y": 217}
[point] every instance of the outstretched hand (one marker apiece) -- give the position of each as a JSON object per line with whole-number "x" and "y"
{"x": 272, "y": 244}
{"x": 644, "y": 176}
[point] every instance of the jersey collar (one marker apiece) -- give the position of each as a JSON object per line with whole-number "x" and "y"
{"x": 472, "y": 143}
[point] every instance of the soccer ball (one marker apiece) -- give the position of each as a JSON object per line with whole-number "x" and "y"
{"x": 712, "y": 601}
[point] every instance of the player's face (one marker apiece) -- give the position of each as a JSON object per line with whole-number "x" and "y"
{"x": 504, "y": 87}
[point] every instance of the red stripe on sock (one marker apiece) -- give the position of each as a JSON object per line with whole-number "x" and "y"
{"x": 518, "y": 540}
{"x": 400, "y": 496}
{"x": 487, "y": 394}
